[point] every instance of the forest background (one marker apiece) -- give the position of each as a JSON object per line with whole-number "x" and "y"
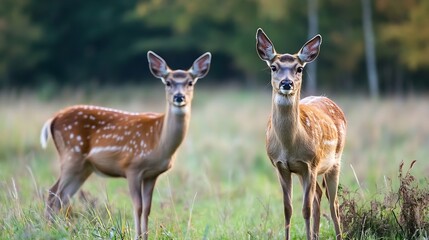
{"x": 375, "y": 47}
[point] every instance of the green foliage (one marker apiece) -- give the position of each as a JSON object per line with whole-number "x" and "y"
{"x": 19, "y": 36}
{"x": 413, "y": 51}
{"x": 90, "y": 42}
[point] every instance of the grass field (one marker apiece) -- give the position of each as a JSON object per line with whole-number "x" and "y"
{"x": 222, "y": 185}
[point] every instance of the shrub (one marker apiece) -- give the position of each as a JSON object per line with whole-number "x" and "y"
{"x": 400, "y": 214}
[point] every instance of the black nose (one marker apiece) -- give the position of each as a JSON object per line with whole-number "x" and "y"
{"x": 179, "y": 98}
{"x": 286, "y": 85}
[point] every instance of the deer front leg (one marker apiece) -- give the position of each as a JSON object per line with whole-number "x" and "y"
{"x": 316, "y": 210}
{"x": 135, "y": 186}
{"x": 148, "y": 186}
{"x": 285, "y": 178}
{"x": 309, "y": 184}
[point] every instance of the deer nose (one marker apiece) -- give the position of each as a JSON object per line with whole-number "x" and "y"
{"x": 179, "y": 99}
{"x": 286, "y": 85}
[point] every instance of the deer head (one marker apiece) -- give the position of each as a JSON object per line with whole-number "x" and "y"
{"x": 179, "y": 84}
{"x": 286, "y": 69}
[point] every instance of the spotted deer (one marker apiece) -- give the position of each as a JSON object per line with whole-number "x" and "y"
{"x": 114, "y": 143}
{"x": 304, "y": 136}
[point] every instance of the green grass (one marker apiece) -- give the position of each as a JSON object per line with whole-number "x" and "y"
{"x": 222, "y": 186}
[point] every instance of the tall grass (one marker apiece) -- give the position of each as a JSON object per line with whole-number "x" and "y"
{"x": 222, "y": 185}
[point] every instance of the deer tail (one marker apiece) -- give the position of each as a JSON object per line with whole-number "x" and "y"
{"x": 46, "y": 131}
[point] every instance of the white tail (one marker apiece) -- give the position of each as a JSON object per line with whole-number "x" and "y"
{"x": 44, "y": 135}
{"x": 305, "y": 137}
{"x": 136, "y": 146}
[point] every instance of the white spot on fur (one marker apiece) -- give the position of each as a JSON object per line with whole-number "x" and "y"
{"x": 96, "y": 150}
{"x": 77, "y": 149}
{"x": 332, "y": 142}
{"x": 307, "y": 121}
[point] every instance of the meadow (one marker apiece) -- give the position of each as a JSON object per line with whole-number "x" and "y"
{"x": 222, "y": 185}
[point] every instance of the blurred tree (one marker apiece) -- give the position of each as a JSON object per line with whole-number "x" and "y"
{"x": 225, "y": 27}
{"x": 412, "y": 36}
{"x": 18, "y": 38}
{"x": 79, "y": 42}
{"x": 313, "y": 29}
{"x": 370, "y": 55}
{"x": 342, "y": 48}
{"x": 402, "y": 44}
{"x": 89, "y": 40}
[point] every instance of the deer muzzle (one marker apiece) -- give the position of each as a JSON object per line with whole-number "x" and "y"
{"x": 179, "y": 100}
{"x": 286, "y": 86}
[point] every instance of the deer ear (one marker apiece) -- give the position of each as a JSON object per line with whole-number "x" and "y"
{"x": 310, "y": 50}
{"x": 201, "y": 66}
{"x": 158, "y": 67}
{"x": 264, "y": 46}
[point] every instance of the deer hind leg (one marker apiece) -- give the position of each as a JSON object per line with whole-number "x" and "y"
{"x": 71, "y": 179}
{"x": 332, "y": 179}
{"x": 52, "y": 205}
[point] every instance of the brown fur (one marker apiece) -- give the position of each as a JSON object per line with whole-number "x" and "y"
{"x": 305, "y": 137}
{"x": 136, "y": 146}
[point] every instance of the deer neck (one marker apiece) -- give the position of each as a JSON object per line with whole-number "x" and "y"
{"x": 285, "y": 118}
{"x": 174, "y": 129}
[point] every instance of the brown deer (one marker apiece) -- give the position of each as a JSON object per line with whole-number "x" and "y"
{"x": 114, "y": 143}
{"x": 305, "y": 137}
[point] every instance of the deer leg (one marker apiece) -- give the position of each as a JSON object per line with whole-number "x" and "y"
{"x": 285, "y": 178}
{"x": 135, "y": 187}
{"x": 148, "y": 186}
{"x": 316, "y": 210}
{"x": 51, "y": 202}
{"x": 309, "y": 184}
{"x": 71, "y": 179}
{"x": 332, "y": 179}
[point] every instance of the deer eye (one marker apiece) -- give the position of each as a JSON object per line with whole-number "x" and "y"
{"x": 299, "y": 69}
{"x": 273, "y": 68}
{"x": 168, "y": 83}
{"x": 190, "y": 84}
